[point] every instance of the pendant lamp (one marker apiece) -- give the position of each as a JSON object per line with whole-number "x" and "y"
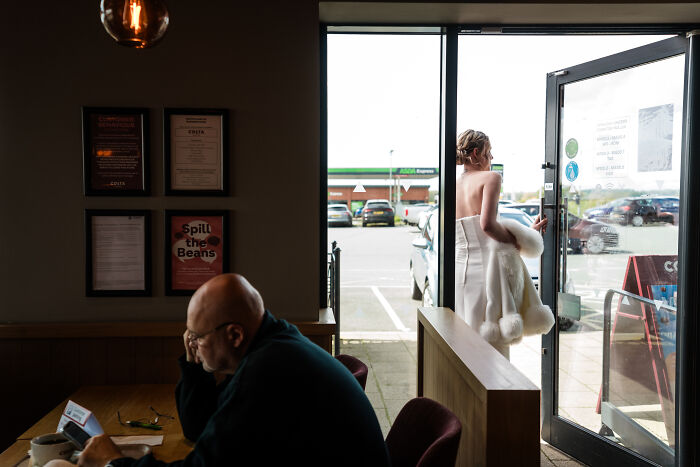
{"x": 135, "y": 23}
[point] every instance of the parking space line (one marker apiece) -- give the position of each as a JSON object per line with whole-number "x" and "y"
{"x": 389, "y": 310}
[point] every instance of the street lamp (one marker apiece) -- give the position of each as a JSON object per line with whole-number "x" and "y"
{"x": 391, "y": 182}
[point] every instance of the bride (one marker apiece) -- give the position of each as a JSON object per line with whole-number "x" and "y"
{"x": 482, "y": 248}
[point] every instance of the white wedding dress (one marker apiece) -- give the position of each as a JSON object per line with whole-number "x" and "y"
{"x": 472, "y": 250}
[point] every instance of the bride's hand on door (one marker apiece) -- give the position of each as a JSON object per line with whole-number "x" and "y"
{"x": 540, "y": 224}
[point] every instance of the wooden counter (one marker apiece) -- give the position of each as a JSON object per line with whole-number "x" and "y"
{"x": 498, "y": 406}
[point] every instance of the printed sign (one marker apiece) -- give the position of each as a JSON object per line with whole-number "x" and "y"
{"x": 611, "y": 143}
{"x": 571, "y": 171}
{"x": 655, "y": 139}
{"x": 571, "y": 148}
{"x": 197, "y": 249}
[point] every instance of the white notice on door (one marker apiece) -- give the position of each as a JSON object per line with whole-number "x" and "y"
{"x": 611, "y": 143}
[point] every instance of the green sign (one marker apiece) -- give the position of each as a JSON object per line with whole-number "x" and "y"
{"x": 571, "y": 148}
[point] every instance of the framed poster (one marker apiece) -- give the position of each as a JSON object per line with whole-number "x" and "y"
{"x": 118, "y": 253}
{"x": 115, "y": 151}
{"x": 196, "y": 249}
{"x": 195, "y": 143}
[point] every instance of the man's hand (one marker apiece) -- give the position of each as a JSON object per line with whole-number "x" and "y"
{"x": 189, "y": 351}
{"x": 540, "y": 225}
{"x": 99, "y": 450}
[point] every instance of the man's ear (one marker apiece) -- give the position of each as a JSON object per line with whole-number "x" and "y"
{"x": 235, "y": 334}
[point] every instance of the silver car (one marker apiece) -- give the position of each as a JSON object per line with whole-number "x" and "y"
{"x": 339, "y": 214}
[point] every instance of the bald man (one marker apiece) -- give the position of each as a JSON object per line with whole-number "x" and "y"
{"x": 284, "y": 400}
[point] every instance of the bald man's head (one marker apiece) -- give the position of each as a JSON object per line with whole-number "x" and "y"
{"x": 227, "y": 297}
{"x": 229, "y": 302}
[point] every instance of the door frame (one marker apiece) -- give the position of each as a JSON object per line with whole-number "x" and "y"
{"x": 583, "y": 444}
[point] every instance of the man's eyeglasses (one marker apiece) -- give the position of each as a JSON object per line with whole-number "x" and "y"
{"x": 195, "y": 337}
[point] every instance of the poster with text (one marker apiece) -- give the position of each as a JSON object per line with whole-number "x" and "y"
{"x": 115, "y": 151}
{"x": 196, "y": 249}
{"x": 117, "y": 252}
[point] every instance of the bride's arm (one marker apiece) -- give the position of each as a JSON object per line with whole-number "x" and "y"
{"x": 489, "y": 210}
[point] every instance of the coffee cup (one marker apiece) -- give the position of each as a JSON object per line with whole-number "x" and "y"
{"x": 48, "y": 447}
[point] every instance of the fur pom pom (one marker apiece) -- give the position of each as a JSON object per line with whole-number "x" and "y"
{"x": 490, "y": 331}
{"x": 530, "y": 240}
{"x": 539, "y": 320}
{"x": 511, "y": 326}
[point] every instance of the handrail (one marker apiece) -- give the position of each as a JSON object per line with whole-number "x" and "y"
{"x": 606, "y": 328}
{"x": 334, "y": 290}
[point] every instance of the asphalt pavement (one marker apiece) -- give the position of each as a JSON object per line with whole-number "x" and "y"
{"x": 375, "y": 293}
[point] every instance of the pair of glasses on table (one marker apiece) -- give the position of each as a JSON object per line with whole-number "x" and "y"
{"x": 150, "y": 423}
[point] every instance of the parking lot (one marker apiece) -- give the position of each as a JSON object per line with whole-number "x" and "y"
{"x": 374, "y": 278}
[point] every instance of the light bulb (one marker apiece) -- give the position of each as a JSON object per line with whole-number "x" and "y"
{"x": 135, "y": 23}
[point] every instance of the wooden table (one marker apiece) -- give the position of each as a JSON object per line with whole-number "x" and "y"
{"x": 132, "y": 402}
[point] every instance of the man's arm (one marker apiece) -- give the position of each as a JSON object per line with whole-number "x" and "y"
{"x": 196, "y": 394}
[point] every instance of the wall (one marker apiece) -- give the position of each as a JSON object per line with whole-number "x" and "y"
{"x": 260, "y": 61}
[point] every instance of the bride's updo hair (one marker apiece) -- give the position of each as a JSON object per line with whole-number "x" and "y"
{"x": 466, "y": 143}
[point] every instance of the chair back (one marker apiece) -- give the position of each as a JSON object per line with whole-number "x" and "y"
{"x": 424, "y": 434}
{"x": 356, "y": 367}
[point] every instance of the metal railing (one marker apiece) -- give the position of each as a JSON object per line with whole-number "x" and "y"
{"x": 333, "y": 275}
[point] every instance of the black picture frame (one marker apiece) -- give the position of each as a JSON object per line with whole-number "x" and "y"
{"x": 103, "y": 181}
{"x": 90, "y": 289}
{"x": 175, "y": 287}
{"x": 197, "y": 149}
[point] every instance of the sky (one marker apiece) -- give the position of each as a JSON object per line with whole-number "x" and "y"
{"x": 384, "y": 92}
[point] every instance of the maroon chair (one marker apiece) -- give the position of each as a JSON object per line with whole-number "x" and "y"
{"x": 424, "y": 434}
{"x": 356, "y": 367}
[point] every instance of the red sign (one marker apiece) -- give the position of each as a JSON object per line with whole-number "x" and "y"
{"x": 196, "y": 250}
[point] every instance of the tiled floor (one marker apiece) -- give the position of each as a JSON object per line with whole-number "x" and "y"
{"x": 391, "y": 382}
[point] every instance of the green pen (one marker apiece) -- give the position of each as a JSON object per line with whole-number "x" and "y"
{"x": 135, "y": 424}
{"x": 144, "y": 425}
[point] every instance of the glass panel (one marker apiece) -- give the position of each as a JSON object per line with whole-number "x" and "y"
{"x": 620, "y": 140}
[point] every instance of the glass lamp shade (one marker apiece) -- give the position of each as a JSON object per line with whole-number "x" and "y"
{"x": 135, "y": 23}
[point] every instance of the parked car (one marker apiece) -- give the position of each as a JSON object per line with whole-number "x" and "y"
{"x": 377, "y": 211}
{"x": 667, "y": 208}
{"x": 339, "y": 214}
{"x": 423, "y": 263}
{"x": 531, "y": 209}
{"x": 585, "y": 235}
{"x": 410, "y": 213}
{"x": 636, "y": 211}
{"x": 590, "y": 236}
{"x": 601, "y": 213}
{"x": 358, "y": 212}
{"x": 425, "y": 214}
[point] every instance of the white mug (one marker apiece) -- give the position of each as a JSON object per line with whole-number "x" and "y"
{"x": 49, "y": 447}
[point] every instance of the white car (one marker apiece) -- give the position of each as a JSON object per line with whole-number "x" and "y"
{"x": 424, "y": 256}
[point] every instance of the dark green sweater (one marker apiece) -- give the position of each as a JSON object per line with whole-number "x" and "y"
{"x": 289, "y": 403}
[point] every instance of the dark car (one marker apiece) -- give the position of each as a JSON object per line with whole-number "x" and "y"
{"x": 601, "y": 212}
{"x": 636, "y": 211}
{"x": 339, "y": 214}
{"x": 590, "y": 236}
{"x": 377, "y": 211}
{"x": 585, "y": 235}
{"x": 667, "y": 208}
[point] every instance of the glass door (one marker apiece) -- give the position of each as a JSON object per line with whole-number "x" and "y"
{"x": 612, "y": 193}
